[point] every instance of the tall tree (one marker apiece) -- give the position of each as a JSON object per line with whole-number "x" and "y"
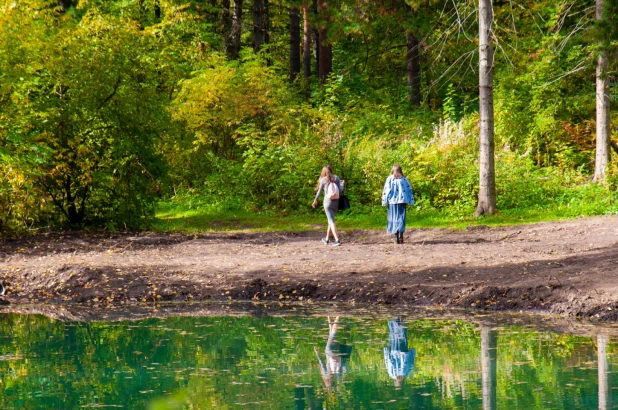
{"x": 487, "y": 173}
{"x": 294, "y": 42}
{"x": 602, "y": 102}
{"x": 413, "y": 66}
{"x": 306, "y": 44}
{"x": 260, "y": 24}
{"x": 236, "y": 31}
{"x": 91, "y": 144}
{"x": 325, "y": 59}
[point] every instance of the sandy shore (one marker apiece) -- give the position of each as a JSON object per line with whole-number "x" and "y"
{"x": 568, "y": 268}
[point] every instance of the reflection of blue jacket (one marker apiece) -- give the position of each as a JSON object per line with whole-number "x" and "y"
{"x": 397, "y": 191}
{"x": 399, "y": 363}
{"x": 398, "y": 359}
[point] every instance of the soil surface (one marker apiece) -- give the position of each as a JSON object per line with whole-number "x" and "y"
{"x": 568, "y": 268}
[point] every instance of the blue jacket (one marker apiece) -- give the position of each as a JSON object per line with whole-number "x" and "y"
{"x": 397, "y": 191}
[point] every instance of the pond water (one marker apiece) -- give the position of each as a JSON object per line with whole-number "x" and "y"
{"x": 300, "y": 362}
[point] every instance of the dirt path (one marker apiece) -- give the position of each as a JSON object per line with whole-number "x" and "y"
{"x": 569, "y": 268}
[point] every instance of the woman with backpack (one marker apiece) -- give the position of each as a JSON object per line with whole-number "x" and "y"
{"x": 397, "y": 194}
{"x": 331, "y": 185}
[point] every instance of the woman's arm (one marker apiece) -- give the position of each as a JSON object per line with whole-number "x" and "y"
{"x": 323, "y": 368}
{"x": 386, "y": 191}
{"x": 409, "y": 193}
{"x": 317, "y": 194}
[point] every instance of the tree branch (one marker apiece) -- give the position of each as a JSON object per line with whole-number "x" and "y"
{"x": 53, "y": 196}
{"x": 109, "y": 97}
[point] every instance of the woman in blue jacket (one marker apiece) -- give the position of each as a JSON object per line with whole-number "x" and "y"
{"x": 397, "y": 194}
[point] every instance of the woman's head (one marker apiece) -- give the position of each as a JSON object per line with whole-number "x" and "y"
{"x": 326, "y": 172}
{"x": 396, "y": 171}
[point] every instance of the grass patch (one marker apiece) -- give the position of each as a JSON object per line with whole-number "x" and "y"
{"x": 179, "y": 216}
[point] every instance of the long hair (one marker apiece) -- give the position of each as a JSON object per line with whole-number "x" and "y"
{"x": 326, "y": 172}
{"x": 396, "y": 171}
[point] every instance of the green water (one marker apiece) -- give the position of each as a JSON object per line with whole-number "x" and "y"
{"x": 291, "y": 362}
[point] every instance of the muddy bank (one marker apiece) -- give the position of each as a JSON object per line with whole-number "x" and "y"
{"x": 564, "y": 268}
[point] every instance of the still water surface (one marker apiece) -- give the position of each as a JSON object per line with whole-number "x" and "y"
{"x": 291, "y": 362}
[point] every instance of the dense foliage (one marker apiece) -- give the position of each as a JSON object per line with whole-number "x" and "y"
{"x": 107, "y": 107}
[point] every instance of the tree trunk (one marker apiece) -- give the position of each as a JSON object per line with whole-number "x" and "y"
{"x": 316, "y": 46}
{"x": 325, "y": 65}
{"x": 142, "y": 12}
{"x": 157, "y": 9}
{"x": 487, "y": 174}
{"x": 603, "y": 119}
{"x": 413, "y": 66}
{"x": 236, "y": 31}
{"x": 259, "y": 24}
{"x": 75, "y": 217}
{"x": 413, "y": 69}
{"x": 225, "y": 21}
{"x": 212, "y": 14}
{"x": 64, "y": 5}
{"x": 489, "y": 353}
{"x": 294, "y": 43}
{"x": 306, "y": 44}
{"x": 266, "y": 22}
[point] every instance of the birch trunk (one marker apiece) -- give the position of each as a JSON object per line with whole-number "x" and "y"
{"x": 487, "y": 174}
{"x": 603, "y": 120}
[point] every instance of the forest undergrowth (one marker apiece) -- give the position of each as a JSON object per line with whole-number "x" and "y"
{"x": 174, "y": 115}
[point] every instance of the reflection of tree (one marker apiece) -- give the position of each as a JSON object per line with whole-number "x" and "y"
{"x": 605, "y": 388}
{"x": 398, "y": 359}
{"x": 489, "y": 347}
{"x": 304, "y": 398}
{"x": 336, "y": 354}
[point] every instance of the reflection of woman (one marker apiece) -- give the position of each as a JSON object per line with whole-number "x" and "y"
{"x": 397, "y": 194}
{"x": 337, "y": 355}
{"x": 399, "y": 360}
